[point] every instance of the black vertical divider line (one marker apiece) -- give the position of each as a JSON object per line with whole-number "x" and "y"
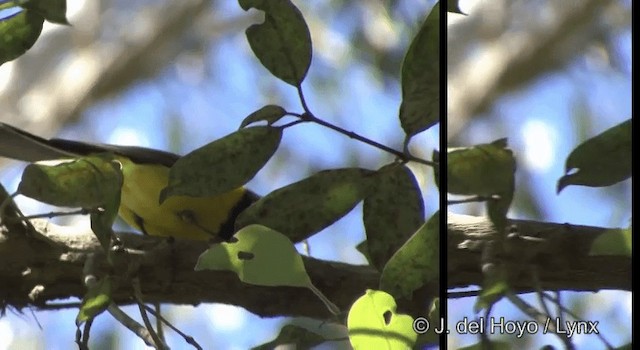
{"x": 442, "y": 164}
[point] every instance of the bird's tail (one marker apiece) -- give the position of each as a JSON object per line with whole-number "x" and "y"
{"x": 21, "y": 145}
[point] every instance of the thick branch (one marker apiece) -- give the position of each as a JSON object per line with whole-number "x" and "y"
{"x": 562, "y": 260}
{"x": 166, "y": 274}
{"x": 37, "y": 269}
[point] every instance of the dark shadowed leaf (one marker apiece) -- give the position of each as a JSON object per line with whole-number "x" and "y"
{"x": 282, "y": 42}
{"x": 53, "y": 11}
{"x": 420, "y": 108}
{"x": 392, "y": 213}
{"x": 415, "y": 263}
{"x": 308, "y": 206}
{"x": 600, "y": 161}
{"x": 223, "y": 165}
{"x": 269, "y": 113}
{"x": 18, "y": 32}
{"x": 454, "y": 6}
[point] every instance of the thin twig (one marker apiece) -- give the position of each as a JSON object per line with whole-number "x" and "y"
{"x": 159, "y": 344}
{"x": 574, "y": 316}
{"x": 131, "y": 324}
{"x": 187, "y": 338}
{"x": 56, "y": 214}
{"x": 538, "y": 317}
{"x": 308, "y": 116}
{"x": 405, "y": 157}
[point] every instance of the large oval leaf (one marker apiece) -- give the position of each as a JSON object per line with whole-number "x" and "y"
{"x": 481, "y": 170}
{"x": 18, "y": 32}
{"x": 392, "y": 213}
{"x": 86, "y": 182}
{"x": 283, "y": 42}
{"x": 600, "y": 161}
{"x": 308, "y": 206}
{"x": 223, "y": 165}
{"x": 416, "y": 263}
{"x": 420, "y": 108}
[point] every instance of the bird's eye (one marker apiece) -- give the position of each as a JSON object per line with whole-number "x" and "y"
{"x": 187, "y": 216}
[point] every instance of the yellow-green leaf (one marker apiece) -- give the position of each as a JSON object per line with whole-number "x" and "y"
{"x": 260, "y": 256}
{"x": 95, "y": 301}
{"x": 374, "y": 324}
{"x": 612, "y": 242}
{"x": 494, "y": 287}
{"x": 86, "y": 182}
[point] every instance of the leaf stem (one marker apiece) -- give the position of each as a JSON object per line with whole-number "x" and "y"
{"x": 308, "y": 116}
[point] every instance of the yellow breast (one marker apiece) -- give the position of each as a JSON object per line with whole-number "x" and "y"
{"x": 180, "y": 216}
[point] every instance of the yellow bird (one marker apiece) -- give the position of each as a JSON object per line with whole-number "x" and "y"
{"x": 146, "y": 173}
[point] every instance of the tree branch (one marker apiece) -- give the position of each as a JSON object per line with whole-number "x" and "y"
{"x": 562, "y": 259}
{"x": 36, "y": 272}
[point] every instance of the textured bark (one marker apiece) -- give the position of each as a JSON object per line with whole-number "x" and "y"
{"x": 561, "y": 260}
{"x": 42, "y": 267}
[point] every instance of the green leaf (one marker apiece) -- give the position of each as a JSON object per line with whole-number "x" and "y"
{"x": 417, "y": 262}
{"x": 260, "y": 256}
{"x": 290, "y": 334}
{"x": 282, "y": 42}
{"x": 453, "y": 6}
{"x": 494, "y": 287}
{"x": 481, "y": 170}
{"x": 86, "y": 182}
{"x": 18, "y": 33}
{"x": 53, "y": 11}
{"x": 374, "y": 324}
{"x": 612, "y": 242}
{"x": 222, "y": 165}
{"x": 308, "y": 206}
{"x": 420, "y": 108}
{"x": 91, "y": 182}
{"x": 392, "y": 213}
{"x": 600, "y": 161}
{"x": 430, "y": 337}
{"x": 95, "y": 301}
{"x": 269, "y": 113}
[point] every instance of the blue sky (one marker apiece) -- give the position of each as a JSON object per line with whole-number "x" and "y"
{"x": 205, "y": 97}
{"x": 543, "y": 123}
